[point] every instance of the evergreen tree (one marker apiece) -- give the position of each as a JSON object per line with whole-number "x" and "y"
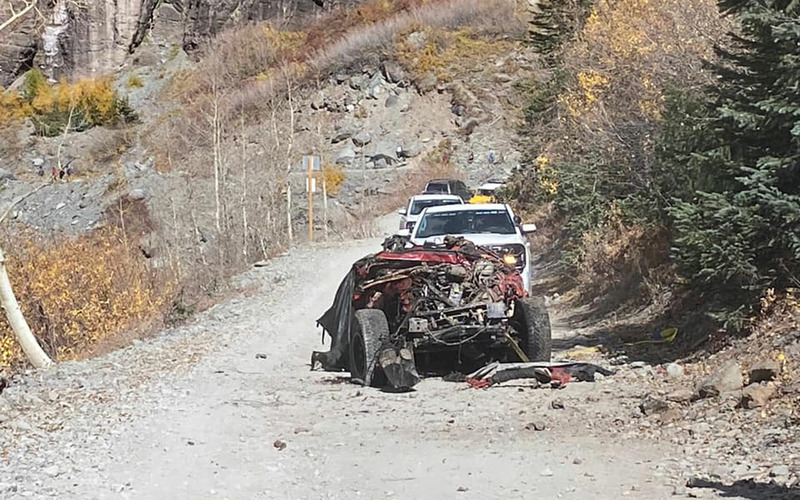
{"x": 555, "y": 23}
{"x": 745, "y": 232}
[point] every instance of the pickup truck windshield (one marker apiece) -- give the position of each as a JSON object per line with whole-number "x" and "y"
{"x": 465, "y": 222}
{"x": 418, "y": 206}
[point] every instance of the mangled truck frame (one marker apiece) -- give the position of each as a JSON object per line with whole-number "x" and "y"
{"x": 456, "y": 305}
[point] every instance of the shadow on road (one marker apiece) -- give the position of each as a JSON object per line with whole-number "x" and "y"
{"x": 750, "y": 489}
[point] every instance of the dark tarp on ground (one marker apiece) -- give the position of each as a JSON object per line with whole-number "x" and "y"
{"x": 336, "y": 322}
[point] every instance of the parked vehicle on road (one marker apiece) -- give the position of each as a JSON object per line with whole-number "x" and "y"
{"x": 448, "y": 186}
{"x": 487, "y": 192}
{"x": 434, "y": 308}
{"x": 418, "y": 203}
{"x": 492, "y": 225}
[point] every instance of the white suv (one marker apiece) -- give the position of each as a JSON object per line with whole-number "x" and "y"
{"x": 492, "y": 225}
{"x": 410, "y": 214}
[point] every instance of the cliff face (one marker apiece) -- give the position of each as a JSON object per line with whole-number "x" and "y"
{"x": 72, "y": 37}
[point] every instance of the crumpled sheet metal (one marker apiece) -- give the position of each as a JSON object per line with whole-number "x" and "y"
{"x": 542, "y": 371}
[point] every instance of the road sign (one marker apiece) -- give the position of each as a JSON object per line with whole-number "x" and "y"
{"x": 312, "y": 188}
{"x": 311, "y": 162}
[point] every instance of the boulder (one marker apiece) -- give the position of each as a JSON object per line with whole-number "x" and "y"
{"x": 6, "y": 175}
{"x": 391, "y": 101}
{"x": 356, "y": 82}
{"x": 779, "y": 471}
{"x": 384, "y": 151}
{"x": 345, "y": 156}
{"x": 651, "y": 405}
{"x": 411, "y": 150}
{"x": 757, "y": 395}
{"x": 362, "y": 138}
{"x": 394, "y": 72}
{"x": 375, "y": 88}
{"x": 318, "y": 101}
{"x": 137, "y": 194}
{"x": 764, "y": 371}
{"x": 728, "y": 378}
{"x": 680, "y": 396}
{"x": 342, "y": 135}
{"x": 674, "y": 370}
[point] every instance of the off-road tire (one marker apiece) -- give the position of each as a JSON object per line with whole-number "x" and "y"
{"x": 533, "y": 324}
{"x": 370, "y": 329}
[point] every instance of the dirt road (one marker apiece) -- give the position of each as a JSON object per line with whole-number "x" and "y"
{"x": 195, "y": 414}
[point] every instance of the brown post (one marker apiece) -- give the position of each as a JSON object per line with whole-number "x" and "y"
{"x": 310, "y": 199}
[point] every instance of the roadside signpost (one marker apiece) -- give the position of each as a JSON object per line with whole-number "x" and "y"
{"x": 312, "y": 164}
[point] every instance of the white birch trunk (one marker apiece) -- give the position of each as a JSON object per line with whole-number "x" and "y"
{"x": 30, "y": 346}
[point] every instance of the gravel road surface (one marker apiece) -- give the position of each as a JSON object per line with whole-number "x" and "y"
{"x": 226, "y": 408}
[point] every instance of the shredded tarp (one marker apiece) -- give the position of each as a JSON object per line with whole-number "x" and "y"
{"x": 336, "y": 322}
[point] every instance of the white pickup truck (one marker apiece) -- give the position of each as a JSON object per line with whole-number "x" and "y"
{"x": 416, "y": 204}
{"x": 491, "y": 225}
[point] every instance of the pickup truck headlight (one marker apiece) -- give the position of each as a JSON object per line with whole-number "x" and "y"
{"x": 513, "y": 255}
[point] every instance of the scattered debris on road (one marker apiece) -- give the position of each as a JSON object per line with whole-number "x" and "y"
{"x": 557, "y": 374}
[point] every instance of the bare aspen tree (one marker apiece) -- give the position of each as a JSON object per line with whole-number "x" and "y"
{"x": 64, "y": 134}
{"x": 244, "y": 186}
{"x": 289, "y": 147}
{"x": 216, "y": 140}
{"x": 16, "y": 14}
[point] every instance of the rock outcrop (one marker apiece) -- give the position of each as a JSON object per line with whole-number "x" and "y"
{"x": 77, "y": 38}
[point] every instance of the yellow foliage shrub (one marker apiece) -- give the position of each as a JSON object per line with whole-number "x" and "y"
{"x": 545, "y": 176}
{"x": 628, "y": 50}
{"x": 334, "y": 176}
{"x": 92, "y": 96}
{"x": 12, "y": 107}
{"x": 76, "y": 292}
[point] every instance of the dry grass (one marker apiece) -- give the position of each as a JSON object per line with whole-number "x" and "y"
{"x": 626, "y": 262}
{"x": 251, "y": 66}
{"x": 446, "y": 54}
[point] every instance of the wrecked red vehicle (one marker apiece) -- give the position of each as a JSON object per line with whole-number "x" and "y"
{"x": 453, "y": 306}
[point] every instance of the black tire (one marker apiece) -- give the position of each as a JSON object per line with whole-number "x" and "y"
{"x": 533, "y": 324}
{"x": 370, "y": 329}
